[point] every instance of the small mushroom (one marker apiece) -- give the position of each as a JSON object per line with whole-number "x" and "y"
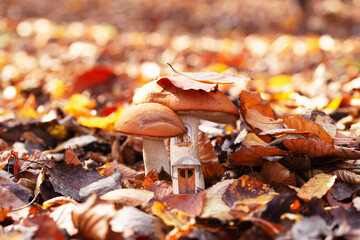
{"x": 154, "y": 122}
{"x": 191, "y": 106}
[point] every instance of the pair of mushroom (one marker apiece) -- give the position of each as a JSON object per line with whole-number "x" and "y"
{"x": 164, "y": 111}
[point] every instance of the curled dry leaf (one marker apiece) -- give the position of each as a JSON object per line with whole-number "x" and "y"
{"x": 319, "y": 148}
{"x": 92, "y": 218}
{"x": 128, "y": 197}
{"x": 252, "y": 156}
{"x": 308, "y": 126}
{"x": 127, "y": 172}
{"x": 347, "y": 176}
{"x": 317, "y": 186}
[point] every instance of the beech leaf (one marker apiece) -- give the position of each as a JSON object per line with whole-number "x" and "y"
{"x": 252, "y": 155}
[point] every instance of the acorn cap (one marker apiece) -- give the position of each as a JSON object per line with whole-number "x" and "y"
{"x": 150, "y": 120}
{"x": 213, "y": 106}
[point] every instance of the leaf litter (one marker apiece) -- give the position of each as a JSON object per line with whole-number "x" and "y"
{"x": 287, "y": 169}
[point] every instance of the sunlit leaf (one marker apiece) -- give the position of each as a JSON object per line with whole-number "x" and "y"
{"x": 107, "y": 122}
{"x": 79, "y": 105}
{"x": 300, "y": 123}
{"x": 316, "y": 186}
{"x": 70, "y": 157}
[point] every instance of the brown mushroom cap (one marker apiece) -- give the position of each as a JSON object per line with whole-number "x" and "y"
{"x": 213, "y": 106}
{"x": 150, "y": 120}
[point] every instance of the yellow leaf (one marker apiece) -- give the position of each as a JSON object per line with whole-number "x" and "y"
{"x": 334, "y": 104}
{"x": 79, "y": 106}
{"x": 317, "y": 186}
{"x": 107, "y": 122}
{"x": 170, "y": 218}
{"x": 27, "y": 113}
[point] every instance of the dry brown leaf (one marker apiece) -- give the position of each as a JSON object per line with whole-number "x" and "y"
{"x": 247, "y": 194}
{"x": 319, "y": 148}
{"x": 317, "y": 186}
{"x": 189, "y": 203}
{"x": 324, "y": 120}
{"x": 127, "y": 172}
{"x": 253, "y": 100}
{"x": 208, "y": 157}
{"x": 303, "y": 124}
{"x": 277, "y": 175}
{"x": 128, "y": 197}
{"x": 92, "y": 218}
{"x": 252, "y": 156}
{"x": 257, "y": 120}
{"x": 347, "y": 176}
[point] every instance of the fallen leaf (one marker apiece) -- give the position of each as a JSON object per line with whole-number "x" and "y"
{"x": 341, "y": 191}
{"x": 71, "y": 157}
{"x": 68, "y": 179}
{"x": 303, "y": 124}
{"x": 347, "y": 176}
{"x": 324, "y": 120}
{"x": 214, "y": 206}
{"x": 257, "y": 120}
{"x": 79, "y": 105}
{"x": 317, "y": 186}
{"x": 318, "y": 148}
{"x": 252, "y": 156}
{"x": 101, "y": 186}
{"x": 252, "y": 100}
{"x": 137, "y": 223}
{"x": 43, "y": 227}
{"x": 191, "y": 204}
{"x": 7, "y": 199}
{"x": 246, "y": 194}
{"x": 185, "y": 83}
{"x": 93, "y": 77}
{"x": 277, "y": 175}
{"x": 128, "y": 197}
{"x": 62, "y": 217}
{"x": 92, "y": 219}
{"x": 310, "y": 228}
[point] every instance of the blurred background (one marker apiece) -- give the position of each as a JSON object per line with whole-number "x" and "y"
{"x": 301, "y": 54}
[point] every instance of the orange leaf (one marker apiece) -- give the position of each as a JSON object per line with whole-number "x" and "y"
{"x": 303, "y": 124}
{"x": 317, "y": 186}
{"x": 253, "y": 100}
{"x": 252, "y": 156}
{"x": 277, "y": 175}
{"x": 71, "y": 157}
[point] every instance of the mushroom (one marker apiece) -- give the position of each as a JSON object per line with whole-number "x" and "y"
{"x": 191, "y": 106}
{"x": 154, "y": 122}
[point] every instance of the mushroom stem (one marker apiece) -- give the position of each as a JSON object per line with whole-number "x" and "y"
{"x": 187, "y": 145}
{"x": 155, "y": 155}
